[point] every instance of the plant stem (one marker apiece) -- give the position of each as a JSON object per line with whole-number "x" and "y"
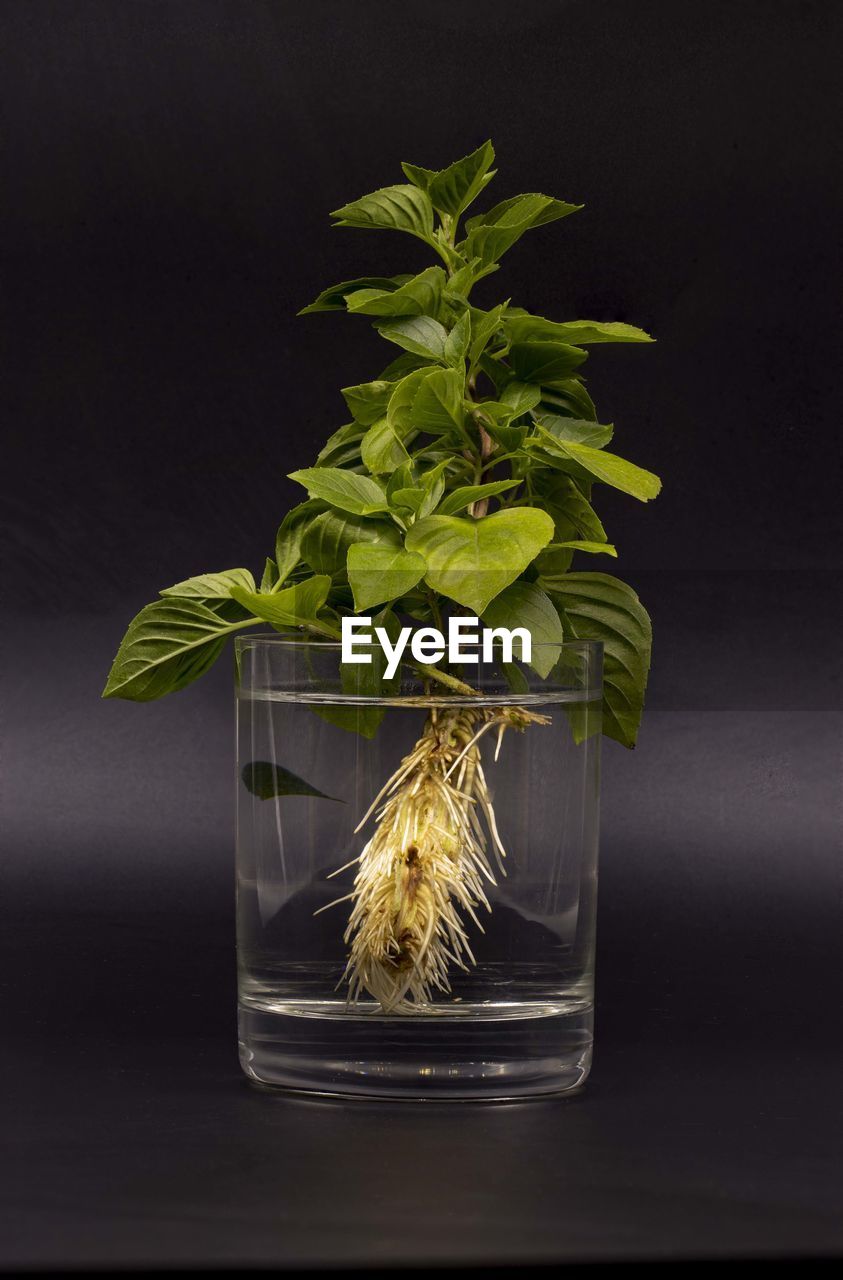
{"x": 451, "y": 682}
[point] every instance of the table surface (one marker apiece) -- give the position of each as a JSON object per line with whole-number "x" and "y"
{"x": 709, "y": 1127}
{"x": 132, "y": 1138}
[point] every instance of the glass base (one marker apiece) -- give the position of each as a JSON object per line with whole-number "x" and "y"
{"x": 481, "y": 1054}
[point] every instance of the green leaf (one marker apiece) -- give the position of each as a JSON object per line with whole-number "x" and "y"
{"x": 167, "y": 645}
{"x": 267, "y": 780}
{"x": 399, "y": 208}
{"x": 419, "y": 296}
{"x": 211, "y": 586}
{"x": 484, "y": 324}
{"x": 459, "y": 499}
{"x": 403, "y": 477}
{"x": 509, "y": 438}
{"x": 593, "y": 548}
{"x": 418, "y": 334}
{"x": 545, "y": 362}
{"x": 522, "y": 327}
{"x": 496, "y": 418}
{"x": 524, "y": 604}
{"x": 402, "y": 365}
{"x": 520, "y": 396}
{"x": 270, "y": 576}
{"x": 472, "y": 561}
{"x": 399, "y": 408}
{"x": 554, "y": 562}
{"x": 491, "y": 234}
{"x": 328, "y": 538}
{"x": 437, "y": 406}
{"x": 288, "y": 539}
{"x": 342, "y": 446}
{"x": 573, "y": 515}
{"x": 368, "y": 400}
{"x": 412, "y": 446}
{"x": 409, "y": 498}
{"x": 381, "y": 573}
{"x": 419, "y": 177}
{"x": 611, "y": 469}
{"x": 568, "y": 396}
{"x": 509, "y": 212}
{"x": 452, "y": 190}
{"x": 596, "y": 606}
{"x": 293, "y": 607}
{"x": 492, "y": 411}
{"x": 333, "y": 299}
{"x": 577, "y": 430}
{"x": 461, "y": 282}
{"x": 456, "y": 344}
{"x": 344, "y": 489}
{"x": 383, "y": 448}
{"x": 433, "y": 483}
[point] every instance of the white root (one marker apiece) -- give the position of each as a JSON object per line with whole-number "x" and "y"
{"x": 426, "y": 863}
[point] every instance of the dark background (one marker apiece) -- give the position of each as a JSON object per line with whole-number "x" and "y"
{"x": 169, "y": 168}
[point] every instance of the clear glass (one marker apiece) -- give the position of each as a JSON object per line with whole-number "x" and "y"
{"x": 518, "y": 1017}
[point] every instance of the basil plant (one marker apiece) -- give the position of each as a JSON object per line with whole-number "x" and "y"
{"x": 462, "y": 481}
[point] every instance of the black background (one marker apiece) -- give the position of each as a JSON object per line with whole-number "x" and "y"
{"x": 169, "y": 169}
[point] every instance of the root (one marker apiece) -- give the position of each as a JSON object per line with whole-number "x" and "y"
{"x": 425, "y": 867}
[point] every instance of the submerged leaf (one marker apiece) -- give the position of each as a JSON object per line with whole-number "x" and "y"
{"x": 267, "y": 780}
